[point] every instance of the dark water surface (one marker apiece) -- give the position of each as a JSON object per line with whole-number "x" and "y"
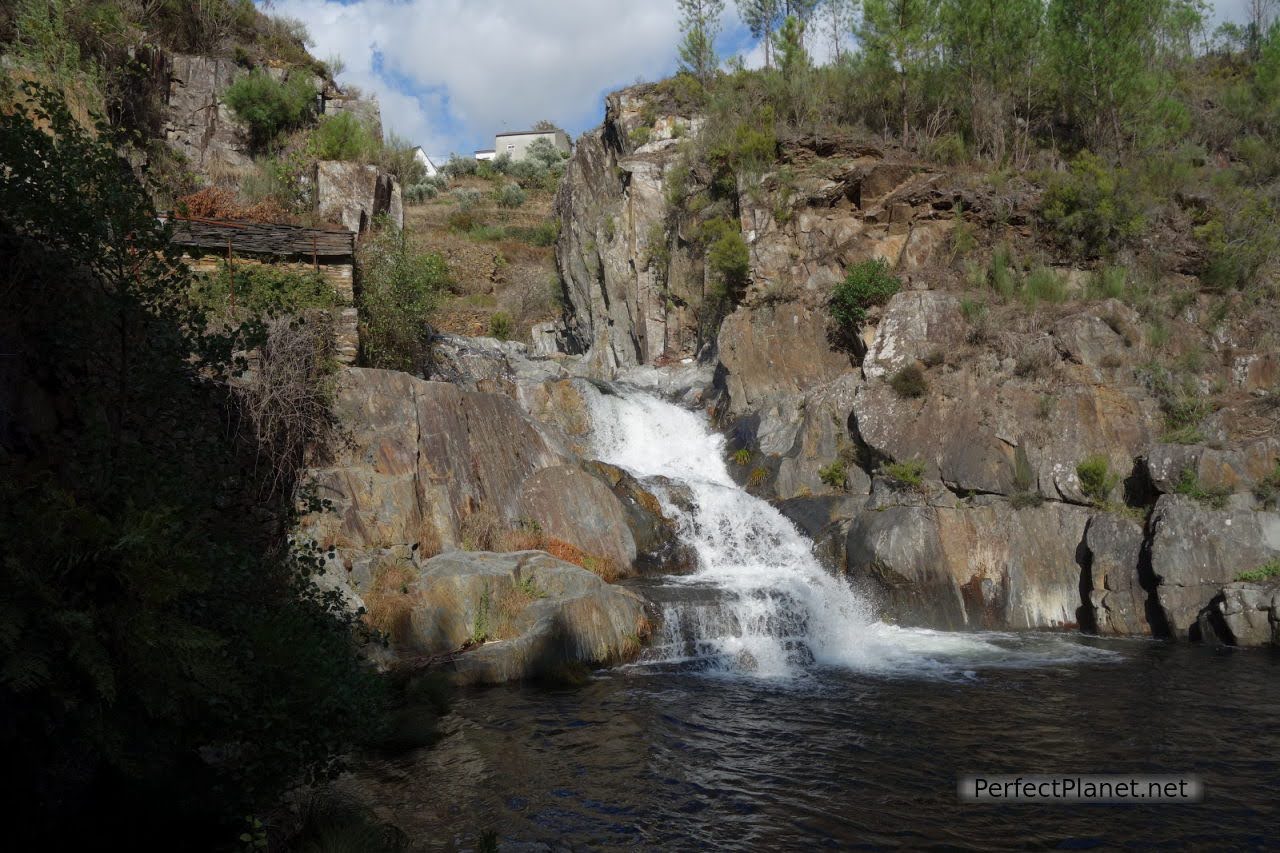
{"x": 662, "y": 758}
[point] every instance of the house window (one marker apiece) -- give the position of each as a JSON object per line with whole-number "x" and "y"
{"x": 511, "y": 146}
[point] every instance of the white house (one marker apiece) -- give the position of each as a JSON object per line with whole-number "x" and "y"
{"x": 486, "y": 154}
{"x": 515, "y": 144}
{"x": 421, "y": 157}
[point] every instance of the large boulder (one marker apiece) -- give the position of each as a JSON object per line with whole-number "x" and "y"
{"x": 971, "y": 422}
{"x": 353, "y": 194}
{"x": 820, "y": 439}
{"x": 914, "y": 325}
{"x": 656, "y": 534}
{"x": 1197, "y": 550}
{"x": 825, "y": 520}
{"x": 1212, "y": 468}
{"x": 980, "y": 564}
{"x": 1249, "y": 612}
{"x": 521, "y": 615}
{"x": 572, "y": 506}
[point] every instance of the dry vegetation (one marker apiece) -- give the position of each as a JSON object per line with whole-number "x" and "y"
{"x": 494, "y": 257}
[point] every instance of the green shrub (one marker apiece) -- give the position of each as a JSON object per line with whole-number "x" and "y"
{"x": 1092, "y": 209}
{"x": 1190, "y": 486}
{"x": 343, "y": 137}
{"x": 742, "y": 456}
{"x": 833, "y": 475}
{"x": 1108, "y": 282}
{"x": 1238, "y": 242}
{"x": 727, "y": 257}
{"x": 1044, "y": 285}
{"x": 421, "y": 192}
{"x": 1262, "y": 573}
{"x": 459, "y": 167}
{"x": 639, "y": 136}
{"x": 500, "y": 326}
{"x": 1096, "y": 479}
{"x": 1005, "y": 277}
{"x": 949, "y": 148}
{"x": 866, "y": 284}
{"x": 510, "y": 196}
{"x": 398, "y": 158}
{"x": 399, "y": 290}
{"x": 466, "y": 198}
{"x": 543, "y": 234}
{"x": 909, "y": 382}
{"x": 263, "y": 289}
{"x": 1267, "y": 490}
{"x": 1182, "y": 417}
{"x": 268, "y": 107}
{"x": 908, "y": 474}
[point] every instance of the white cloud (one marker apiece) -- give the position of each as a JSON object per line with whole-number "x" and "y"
{"x": 451, "y": 73}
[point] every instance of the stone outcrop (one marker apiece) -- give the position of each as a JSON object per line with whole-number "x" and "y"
{"x": 353, "y": 194}
{"x": 1248, "y": 613}
{"x": 658, "y": 547}
{"x": 1114, "y": 546}
{"x": 633, "y": 298}
{"x": 523, "y": 615}
{"x": 1016, "y": 393}
{"x": 978, "y": 564}
{"x": 1212, "y": 468}
{"x": 1196, "y": 551}
{"x": 774, "y": 352}
{"x": 569, "y": 504}
{"x": 197, "y": 124}
{"x": 415, "y": 460}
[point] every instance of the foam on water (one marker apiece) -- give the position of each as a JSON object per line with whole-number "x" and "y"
{"x": 769, "y": 609}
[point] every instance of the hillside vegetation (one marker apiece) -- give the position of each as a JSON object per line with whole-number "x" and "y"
{"x": 1078, "y": 151}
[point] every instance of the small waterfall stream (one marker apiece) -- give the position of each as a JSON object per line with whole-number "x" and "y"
{"x": 759, "y": 603}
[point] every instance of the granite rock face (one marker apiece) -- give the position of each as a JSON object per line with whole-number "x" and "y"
{"x": 630, "y": 284}
{"x": 198, "y": 125}
{"x": 975, "y": 565}
{"x": 1119, "y": 600}
{"x": 1197, "y": 550}
{"x": 1249, "y": 613}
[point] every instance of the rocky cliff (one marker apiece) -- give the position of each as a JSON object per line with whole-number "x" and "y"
{"x": 956, "y": 502}
{"x": 419, "y": 468}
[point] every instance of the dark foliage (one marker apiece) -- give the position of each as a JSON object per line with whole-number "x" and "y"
{"x": 165, "y": 666}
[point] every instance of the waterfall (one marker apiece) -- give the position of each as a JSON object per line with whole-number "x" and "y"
{"x": 759, "y": 602}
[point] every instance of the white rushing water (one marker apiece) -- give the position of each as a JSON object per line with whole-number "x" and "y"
{"x": 759, "y": 601}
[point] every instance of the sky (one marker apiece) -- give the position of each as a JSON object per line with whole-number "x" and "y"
{"x": 449, "y": 74}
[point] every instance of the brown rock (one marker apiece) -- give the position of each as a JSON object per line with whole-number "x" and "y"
{"x": 773, "y": 352}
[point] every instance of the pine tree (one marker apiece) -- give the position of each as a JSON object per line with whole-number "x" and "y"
{"x": 761, "y": 16}
{"x": 836, "y": 19}
{"x": 992, "y": 50}
{"x": 901, "y": 38}
{"x": 789, "y": 46}
{"x": 1104, "y": 57}
{"x": 700, "y": 23}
